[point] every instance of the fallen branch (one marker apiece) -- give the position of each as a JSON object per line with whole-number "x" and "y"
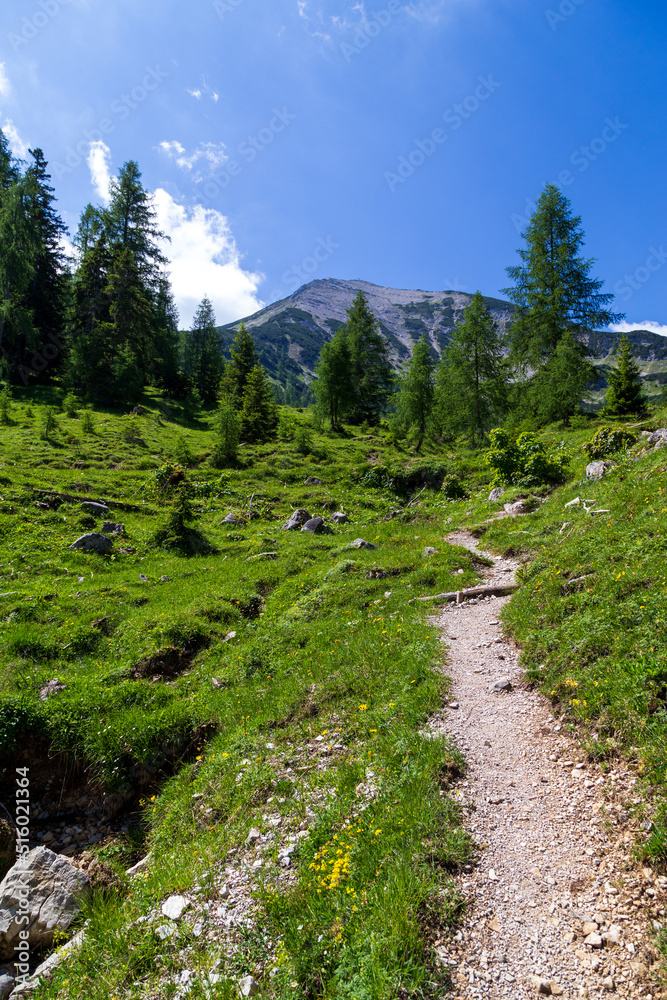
{"x": 465, "y": 595}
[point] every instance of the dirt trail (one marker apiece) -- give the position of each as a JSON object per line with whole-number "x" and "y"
{"x": 556, "y": 894}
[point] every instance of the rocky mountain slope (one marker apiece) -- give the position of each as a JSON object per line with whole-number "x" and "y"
{"x": 290, "y": 333}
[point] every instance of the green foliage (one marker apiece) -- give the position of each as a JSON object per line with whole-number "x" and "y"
{"x": 558, "y": 387}
{"x": 5, "y": 405}
{"x": 303, "y": 440}
{"x": 453, "y": 488}
{"x": 522, "y": 462}
{"x": 416, "y": 391}
{"x": 243, "y": 360}
{"x": 202, "y": 361}
{"x": 49, "y": 424}
{"x": 259, "y": 415}
{"x": 179, "y": 530}
{"x": 87, "y": 423}
{"x": 227, "y": 433}
{"x": 608, "y": 441}
{"x": 625, "y": 396}
{"x": 192, "y": 403}
{"x": 71, "y": 405}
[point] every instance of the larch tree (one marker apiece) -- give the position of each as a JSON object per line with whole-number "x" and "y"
{"x": 625, "y": 396}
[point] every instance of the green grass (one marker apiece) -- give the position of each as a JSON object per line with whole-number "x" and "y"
{"x": 326, "y": 644}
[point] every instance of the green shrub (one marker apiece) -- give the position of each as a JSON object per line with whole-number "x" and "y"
{"x": 303, "y": 440}
{"x": 453, "y": 488}
{"x": 523, "y": 462}
{"x": 71, "y": 405}
{"x": 5, "y": 405}
{"x": 286, "y": 427}
{"x": 227, "y": 432}
{"x": 49, "y": 423}
{"x": 87, "y": 425}
{"x": 607, "y": 441}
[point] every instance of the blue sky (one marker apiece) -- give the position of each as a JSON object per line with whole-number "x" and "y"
{"x": 400, "y": 143}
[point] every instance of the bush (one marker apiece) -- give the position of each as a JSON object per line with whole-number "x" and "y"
{"x": 49, "y": 423}
{"x": 71, "y": 405}
{"x": 607, "y": 441}
{"x": 227, "y": 430}
{"x": 453, "y": 488}
{"x": 286, "y": 427}
{"x": 87, "y": 425}
{"x": 5, "y": 405}
{"x": 523, "y": 462}
{"x": 303, "y": 440}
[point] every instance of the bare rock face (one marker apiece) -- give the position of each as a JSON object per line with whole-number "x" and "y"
{"x": 47, "y": 889}
{"x": 93, "y": 542}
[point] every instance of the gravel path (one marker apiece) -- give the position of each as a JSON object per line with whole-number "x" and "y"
{"x": 556, "y": 904}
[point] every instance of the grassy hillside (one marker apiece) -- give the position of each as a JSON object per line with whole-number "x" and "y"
{"x": 280, "y": 681}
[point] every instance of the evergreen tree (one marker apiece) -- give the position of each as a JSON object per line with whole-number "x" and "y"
{"x": 46, "y": 298}
{"x": 372, "y": 375}
{"x": 471, "y": 380}
{"x": 167, "y": 373}
{"x": 130, "y": 224}
{"x": 552, "y": 289}
{"x": 202, "y": 357}
{"x": 558, "y": 386}
{"x": 334, "y": 390}
{"x": 227, "y": 432}
{"x": 19, "y": 249}
{"x": 259, "y": 416}
{"x": 243, "y": 360}
{"x": 417, "y": 390}
{"x": 624, "y": 395}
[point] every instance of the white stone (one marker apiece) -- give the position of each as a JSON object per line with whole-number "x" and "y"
{"x": 175, "y": 907}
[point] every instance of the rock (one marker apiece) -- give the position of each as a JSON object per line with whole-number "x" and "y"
{"x": 589, "y": 927}
{"x": 46, "y": 889}
{"x": 596, "y": 470}
{"x": 340, "y": 518}
{"x": 297, "y": 518}
{"x": 262, "y": 557}
{"x": 429, "y": 551}
{"x": 359, "y": 543}
{"x": 658, "y": 438}
{"x": 50, "y": 688}
{"x": 316, "y": 525}
{"x": 496, "y": 494}
{"x": 94, "y": 508}
{"x": 165, "y": 931}
{"x": 175, "y": 907}
{"x": 556, "y": 989}
{"x": 112, "y": 528}
{"x": 140, "y": 411}
{"x": 253, "y": 836}
{"x": 593, "y": 941}
{"x": 612, "y": 936}
{"x": 609, "y": 984}
{"x": 515, "y": 508}
{"x": 139, "y": 867}
{"x": 232, "y": 519}
{"x": 248, "y": 986}
{"x": 542, "y": 986}
{"x": 503, "y": 685}
{"x": 312, "y": 481}
{"x": 93, "y": 542}
{"x": 454, "y": 705}
{"x": 7, "y": 984}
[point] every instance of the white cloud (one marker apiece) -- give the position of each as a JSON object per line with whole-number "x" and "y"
{"x": 99, "y": 160}
{"x": 5, "y": 85}
{"x": 196, "y": 94}
{"x": 303, "y": 8}
{"x": 17, "y": 145}
{"x": 212, "y": 154}
{"x": 431, "y": 11}
{"x": 204, "y": 260}
{"x": 651, "y": 325}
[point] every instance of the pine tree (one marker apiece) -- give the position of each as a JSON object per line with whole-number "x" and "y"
{"x": 558, "y": 387}
{"x": 417, "y": 390}
{"x": 624, "y": 395}
{"x": 334, "y": 390}
{"x": 471, "y": 380}
{"x": 552, "y": 290}
{"x": 167, "y": 373}
{"x": 372, "y": 374}
{"x": 259, "y": 416}
{"x": 202, "y": 357}
{"x": 19, "y": 248}
{"x": 130, "y": 224}
{"x": 227, "y": 432}
{"x": 243, "y": 360}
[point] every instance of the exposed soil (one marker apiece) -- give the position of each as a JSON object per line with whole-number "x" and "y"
{"x": 556, "y": 884}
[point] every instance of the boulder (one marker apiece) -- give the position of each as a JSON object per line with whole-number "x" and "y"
{"x": 496, "y": 494}
{"x": 312, "y": 481}
{"x": 93, "y": 542}
{"x": 94, "y": 508}
{"x": 54, "y": 686}
{"x": 248, "y": 987}
{"x": 140, "y": 411}
{"x": 515, "y": 508}
{"x": 658, "y": 438}
{"x": 297, "y": 518}
{"x": 340, "y": 518}
{"x": 596, "y": 470}
{"x": 429, "y": 551}
{"x": 360, "y": 543}
{"x": 316, "y": 525}
{"x": 233, "y": 519}
{"x": 111, "y": 528}
{"x": 44, "y": 888}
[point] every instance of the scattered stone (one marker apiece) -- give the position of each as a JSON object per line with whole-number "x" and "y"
{"x": 359, "y": 543}
{"x": 454, "y": 704}
{"x": 263, "y": 557}
{"x": 51, "y": 887}
{"x": 165, "y": 931}
{"x": 612, "y": 936}
{"x": 312, "y": 481}
{"x": 316, "y": 525}
{"x": 253, "y": 836}
{"x": 248, "y": 986}
{"x": 94, "y": 508}
{"x": 297, "y": 518}
{"x": 496, "y": 494}
{"x": 503, "y": 685}
{"x": 139, "y": 867}
{"x": 140, "y": 411}
{"x": 7, "y": 984}
{"x": 165, "y": 579}
{"x": 542, "y": 986}
{"x": 93, "y": 542}
{"x": 54, "y": 686}
{"x": 596, "y": 470}
{"x": 429, "y": 551}
{"x": 340, "y": 518}
{"x": 658, "y": 438}
{"x": 113, "y": 528}
{"x": 175, "y": 907}
{"x": 556, "y": 989}
{"x": 515, "y": 508}
{"x": 143, "y": 578}
{"x": 233, "y": 519}
{"x": 589, "y": 927}
{"x": 609, "y": 984}
{"x": 593, "y": 941}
